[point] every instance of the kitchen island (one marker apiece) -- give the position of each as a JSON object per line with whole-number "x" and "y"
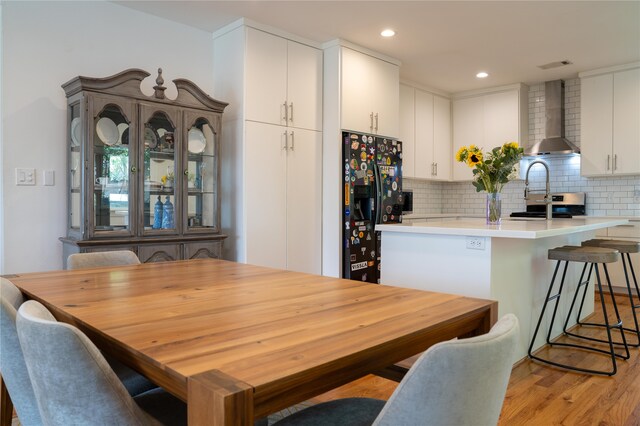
{"x": 506, "y": 262}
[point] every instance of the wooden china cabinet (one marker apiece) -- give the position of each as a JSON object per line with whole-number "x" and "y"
{"x": 143, "y": 170}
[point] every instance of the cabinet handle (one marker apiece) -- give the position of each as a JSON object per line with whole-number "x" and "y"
{"x": 293, "y": 142}
{"x": 286, "y": 141}
{"x": 615, "y": 161}
{"x": 432, "y": 169}
{"x": 285, "y": 116}
{"x": 376, "y": 122}
{"x": 186, "y": 172}
{"x": 608, "y": 162}
{"x": 291, "y": 113}
{"x": 371, "y": 121}
{"x": 134, "y": 169}
{"x": 436, "y": 174}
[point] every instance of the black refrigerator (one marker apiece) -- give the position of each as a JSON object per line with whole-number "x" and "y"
{"x": 372, "y": 195}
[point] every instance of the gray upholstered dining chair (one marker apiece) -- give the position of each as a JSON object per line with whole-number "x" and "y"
{"x": 74, "y": 384}
{"x": 458, "y": 382}
{"x": 12, "y": 367}
{"x": 134, "y": 382}
{"x": 103, "y": 258}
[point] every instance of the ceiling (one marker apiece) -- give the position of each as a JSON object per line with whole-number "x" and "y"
{"x": 443, "y": 44}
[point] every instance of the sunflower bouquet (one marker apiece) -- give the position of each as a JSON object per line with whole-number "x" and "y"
{"x": 491, "y": 171}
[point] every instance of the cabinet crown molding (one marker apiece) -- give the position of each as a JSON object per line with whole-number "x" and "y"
{"x": 358, "y": 48}
{"x": 127, "y": 83}
{"x": 476, "y": 92}
{"x": 244, "y": 22}
{"x": 609, "y": 70}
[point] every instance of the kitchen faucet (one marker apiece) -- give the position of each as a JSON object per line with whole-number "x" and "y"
{"x": 547, "y": 196}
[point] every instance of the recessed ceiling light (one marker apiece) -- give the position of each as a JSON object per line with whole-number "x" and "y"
{"x": 388, "y": 33}
{"x": 482, "y": 74}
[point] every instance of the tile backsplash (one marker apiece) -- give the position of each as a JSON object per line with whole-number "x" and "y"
{"x": 606, "y": 196}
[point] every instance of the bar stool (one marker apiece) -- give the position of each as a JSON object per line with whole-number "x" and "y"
{"x": 590, "y": 256}
{"x": 625, "y": 248}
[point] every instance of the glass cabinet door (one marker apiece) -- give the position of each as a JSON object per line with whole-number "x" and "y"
{"x": 162, "y": 180}
{"x": 202, "y": 175}
{"x": 112, "y": 167}
{"x": 75, "y": 168}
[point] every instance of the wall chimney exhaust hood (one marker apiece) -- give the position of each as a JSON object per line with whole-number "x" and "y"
{"x": 554, "y": 142}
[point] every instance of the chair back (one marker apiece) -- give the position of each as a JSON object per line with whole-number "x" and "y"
{"x": 72, "y": 381}
{"x": 103, "y": 258}
{"x": 458, "y": 382}
{"x": 12, "y": 366}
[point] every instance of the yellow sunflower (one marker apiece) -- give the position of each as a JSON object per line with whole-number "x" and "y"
{"x": 474, "y": 158}
{"x": 461, "y": 154}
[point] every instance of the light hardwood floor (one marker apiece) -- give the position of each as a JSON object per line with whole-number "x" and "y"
{"x": 542, "y": 395}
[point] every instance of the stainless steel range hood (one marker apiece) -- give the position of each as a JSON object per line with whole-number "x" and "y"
{"x": 554, "y": 142}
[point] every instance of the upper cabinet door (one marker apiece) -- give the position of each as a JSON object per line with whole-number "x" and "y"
{"x": 626, "y": 121}
{"x": 596, "y": 124}
{"x": 355, "y": 83}
{"x": 407, "y": 130}
{"x": 370, "y": 90}
{"x": 385, "y": 91}
{"x": 442, "y": 137}
{"x": 304, "y": 86}
{"x": 266, "y": 77}
{"x": 501, "y": 119}
{"x": 468, "y": 129}
{"x": 424, "y": 162}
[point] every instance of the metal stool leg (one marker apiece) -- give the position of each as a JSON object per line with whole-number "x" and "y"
{"x": 611, "y": 352}
{"x": 544, "y": 306}
{"x": 632, "y": 304}
{"x": 581, "y": 284}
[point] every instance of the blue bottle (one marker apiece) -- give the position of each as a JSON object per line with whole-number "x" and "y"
{"x": 157, "y": 214}
{"x": 167, "y": 215}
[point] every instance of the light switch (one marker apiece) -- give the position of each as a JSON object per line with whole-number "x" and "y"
{"x": 25, "y": 177}
{"x": 49, "y": 177}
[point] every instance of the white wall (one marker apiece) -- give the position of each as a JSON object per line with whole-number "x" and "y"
{"x": 44, "y": 45}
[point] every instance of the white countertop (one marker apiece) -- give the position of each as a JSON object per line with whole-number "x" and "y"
{"x": 528, "y": 229}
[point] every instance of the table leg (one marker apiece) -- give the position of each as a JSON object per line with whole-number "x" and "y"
{"x": 216, "y": 399}
{"x": 6, "y": 406}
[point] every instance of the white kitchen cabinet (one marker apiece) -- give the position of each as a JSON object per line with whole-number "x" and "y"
{"x": 407, "y": 130}
{"x": 609, "y": 125}
{"x": 370, "y": 94}
{"x": 271, "y": 151}
{"x": 357, "y": 83}
{"x": 487, "y": 119}
{"x": 283, "y": 81}
{"x": 442, "y": 156}
{"x": 282, "y": 187}
{"x": 426, "y": 134}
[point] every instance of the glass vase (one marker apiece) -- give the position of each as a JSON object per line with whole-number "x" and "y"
{"x": 494, "y": 208}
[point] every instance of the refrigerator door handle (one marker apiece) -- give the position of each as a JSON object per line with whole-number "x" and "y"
{"x": 378, "y": 193}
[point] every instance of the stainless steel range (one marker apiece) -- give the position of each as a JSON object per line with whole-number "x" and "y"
{"x": 564, "y": 205}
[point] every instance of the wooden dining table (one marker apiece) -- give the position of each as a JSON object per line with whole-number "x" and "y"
{"x": 238, "y": 342}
